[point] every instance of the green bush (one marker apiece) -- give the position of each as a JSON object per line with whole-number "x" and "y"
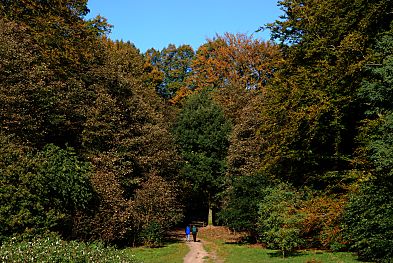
{"x": 40, "y": 191}
{"x": 152, "y": 235}
{"x": 368, "y": 221}
{"x": 279, "y": 224}
{"x": 240, "y": 211}
{"x": 53, "y": 249}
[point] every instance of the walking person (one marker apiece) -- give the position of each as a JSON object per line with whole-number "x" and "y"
{"x": 194, "y": 232}
{"x": 188, "y": 231}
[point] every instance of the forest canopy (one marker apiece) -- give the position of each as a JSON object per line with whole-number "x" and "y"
{"x": 288, "y": 140}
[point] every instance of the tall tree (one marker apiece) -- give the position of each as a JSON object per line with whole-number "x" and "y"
{"x": 234, "y": 59}
{"x": 47, "y": 52}
{"x": 127, "y": 139}
{"x": 368, "y": 217}
{"x": 175, "y": 63}
{"x": 313, "y": 111}
{"x": 202, "y": 131}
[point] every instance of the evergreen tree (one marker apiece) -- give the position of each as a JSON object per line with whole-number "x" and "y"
{"x": 201, "y": 131}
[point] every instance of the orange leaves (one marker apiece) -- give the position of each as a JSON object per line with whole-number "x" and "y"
{"x": 235, "y": 58}
{"x": 322, "y": 217}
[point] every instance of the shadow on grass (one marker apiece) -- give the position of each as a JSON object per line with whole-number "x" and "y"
{"x": 173, "y": 237}
{"x": 278, "y": 254}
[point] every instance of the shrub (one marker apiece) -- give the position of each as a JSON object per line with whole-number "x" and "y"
{"x": 368, "y": 221}
{"x": 241, "y": 200}
{"x": 152, "y": 234}
{"x": 40, "y": 191}
{"x": 279, "y": 224}
{"x": 53, "y": 249}
{"x": 322, "y": 219}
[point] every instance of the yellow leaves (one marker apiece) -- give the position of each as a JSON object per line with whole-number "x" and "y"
{"x": 182, "y": 93}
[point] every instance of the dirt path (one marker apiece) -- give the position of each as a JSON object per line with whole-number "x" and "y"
{"x": 197, "y": 253}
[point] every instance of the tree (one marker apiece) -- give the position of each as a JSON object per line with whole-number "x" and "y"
{"x": 368, "y": 216}
{"x": 312, "y": 111}
{"x": 157, "y": 209}
{"x": 201, "y": 131}
{"x": 127, "y": 139}
{"x": 175, "y": 63}
{"x": 238, "y": 60}
{"x": 47, "y": 51}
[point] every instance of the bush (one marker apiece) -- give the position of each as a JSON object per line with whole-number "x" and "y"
{"x": 279, "y": 224}
{"x": 322, "y": 219}
{"x": 40, "y": 191}
{"x": 241, "y": 200}
{"x": 53, "y": 249}
{"x": 152, "y": 235}
{"x": 368, "y": 221}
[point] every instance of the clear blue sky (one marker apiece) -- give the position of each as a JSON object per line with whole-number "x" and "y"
{"x": 157, "y": 23}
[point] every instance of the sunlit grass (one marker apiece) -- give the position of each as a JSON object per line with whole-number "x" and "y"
{"x": 170, "y": 253}
{"x": 235, "y": 253}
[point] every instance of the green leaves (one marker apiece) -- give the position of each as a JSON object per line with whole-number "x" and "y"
{"x": 175, "y": 64}
{"x": 41, "y": 191}
{"x": 201, "y": 131}
{"x": 279, "y": 221}
{"x": 368, "y": 218}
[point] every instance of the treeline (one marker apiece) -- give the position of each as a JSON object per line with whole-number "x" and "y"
{"x": 290, "y": 141}
{"x": 85, "y": 147}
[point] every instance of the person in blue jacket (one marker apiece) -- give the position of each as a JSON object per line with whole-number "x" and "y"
{"x": 188, "y": 231}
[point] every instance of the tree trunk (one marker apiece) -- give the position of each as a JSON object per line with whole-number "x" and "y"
{"x": 210, "y": 216}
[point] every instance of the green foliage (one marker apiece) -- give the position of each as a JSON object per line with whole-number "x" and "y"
{"x": 241, "y": 203}
{"x": 279, "y": 219}
{"x": 377, "y": 93}
{"x": 41, "y": 191}
{"x": 152, "y": 235}
{"x": 368, "y": 221}
{"x": 311, "y": 113}
{"x": 175, "y": 63}
{"x": 201, "y": 132}
{"x": 52, "y": 249}
{"x": 368, "y": 217}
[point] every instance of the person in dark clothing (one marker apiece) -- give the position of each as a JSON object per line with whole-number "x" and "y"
{"x": 194, "y": 231}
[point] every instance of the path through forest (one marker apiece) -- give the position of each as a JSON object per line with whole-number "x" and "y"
{"x": 197, "y": 253}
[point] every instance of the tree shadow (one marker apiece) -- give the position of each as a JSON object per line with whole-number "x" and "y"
{"x": 278, "y": 254}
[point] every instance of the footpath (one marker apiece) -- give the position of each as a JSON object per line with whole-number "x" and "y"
{"x": 197, "y": 253}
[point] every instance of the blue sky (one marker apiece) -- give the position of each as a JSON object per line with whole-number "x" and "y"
{"x": 157, "y": 23}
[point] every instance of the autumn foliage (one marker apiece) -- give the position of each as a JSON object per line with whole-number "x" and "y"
{"x": 288, "y": 140}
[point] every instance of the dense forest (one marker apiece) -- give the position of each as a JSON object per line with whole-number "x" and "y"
{"x": 289, "y": 140}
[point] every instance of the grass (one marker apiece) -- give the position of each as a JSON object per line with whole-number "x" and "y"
{"x": 223, "y": 243}
{"x": 245, "y": 254}
{"x": 169, "y": 253}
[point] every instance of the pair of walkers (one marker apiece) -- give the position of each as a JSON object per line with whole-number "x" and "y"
{"x": 193, "y": 230}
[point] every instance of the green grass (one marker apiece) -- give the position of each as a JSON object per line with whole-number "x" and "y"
{"x": 170, "y": 253}
{"x": 245, "y": 254}
{"x": 235, "y": 253}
